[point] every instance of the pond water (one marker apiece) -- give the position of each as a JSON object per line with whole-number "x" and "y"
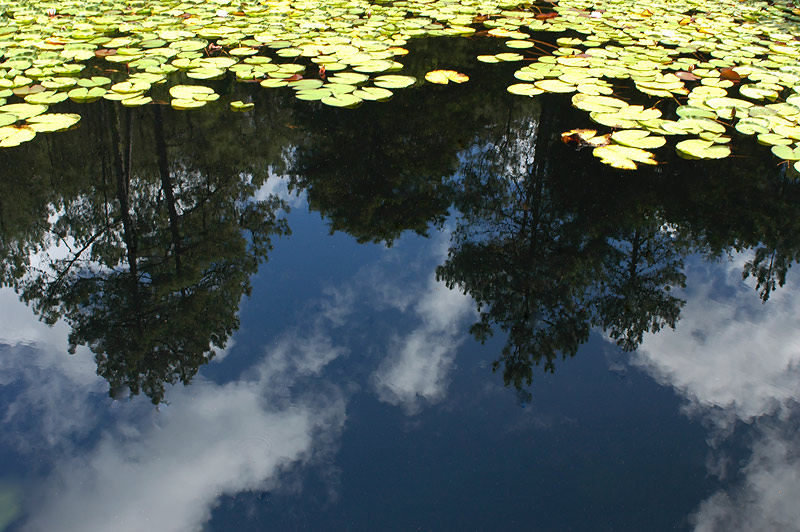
{"x": 424, "y": 314}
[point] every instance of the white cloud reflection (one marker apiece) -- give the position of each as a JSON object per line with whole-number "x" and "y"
{"x": 737, "y": 360}
{"x": 418, "y": 364}
{"x": 167, "y": 470}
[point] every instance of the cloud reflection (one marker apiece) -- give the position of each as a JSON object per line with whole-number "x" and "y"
{"x": 417, "y": 364}
{"x": 737, "y": 360}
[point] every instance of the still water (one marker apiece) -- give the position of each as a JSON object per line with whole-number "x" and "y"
{"x": 425, "y": 314}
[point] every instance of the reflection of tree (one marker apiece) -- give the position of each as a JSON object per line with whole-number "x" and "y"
{"x": 382, "y": 169}
{"x": 160, "y": 254}
{"x": 636, "y": 296}
{"x": 544, "y": 271}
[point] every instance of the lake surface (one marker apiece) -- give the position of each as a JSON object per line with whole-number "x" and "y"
{"x": 425, "y": 314}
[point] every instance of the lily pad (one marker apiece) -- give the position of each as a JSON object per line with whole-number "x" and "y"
{"x": 525, "y": 89}
{"x": 787, "y": 153}
{"x": 443, "y": 77}
{"x": 53, "y": 122}
{"x": 394, "y": 81}
{"x": 342, "y": 100}
{"x": 241, "y": 107}
{"x": 11, "y": 136}
{"x": 702, "y": 149}
{"x": 638, "y": 138}
{"x": 623, "y": 157}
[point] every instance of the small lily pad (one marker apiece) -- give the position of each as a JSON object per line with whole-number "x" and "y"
{"x": 638, "y": 138}
{"x": 443, "y": 77}
{"x": 702, "y": 149}
{"x": 623, "y": 157}
{"x": 11, "y": 136}
{"x": 525, "y": 89}
{"x": 341, "y": 100}
{"x": 787, "y": 153}
{"x": 50, "y": 122}
{"x": 241, "y": 107}
{"x": 394, "y": 81}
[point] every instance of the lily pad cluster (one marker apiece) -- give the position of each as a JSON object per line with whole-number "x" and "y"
{"x": 338, "y": 52}
{"x": 730, "y": 66}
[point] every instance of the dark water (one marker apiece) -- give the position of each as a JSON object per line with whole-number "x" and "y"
{"x": 426, "y": 314}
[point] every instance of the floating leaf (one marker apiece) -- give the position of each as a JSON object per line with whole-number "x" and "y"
{"x": 394, "y": 81}
{"x": 373, "y": 93}
{"x": 53, "y": 122}
{"x": 241, "y": 107}
{"x": 638, "y": 138}
{"x": 623, "y": 157}
{"x": 23, "y": 110}
{"x": 341, "y": 100}
{"x": 702, "y": 149}
{"x": 584, "y": 137}
{"x": 183, "y": 104}
{"x": 787, "y": 153}
{"x": 190, "y": 92}
{"x": 525, "y": 89}
{"x": 555, "y": 85}
{"x": 443, "y": 77}
{"x": 11, "y": 136}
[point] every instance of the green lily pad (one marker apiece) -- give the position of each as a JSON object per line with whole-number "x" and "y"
{"x": 787, "y": 153}
{"x": 394, "y": 81}
{"x": 23, "y": 110}
{"x": 524, "y": 89}
{"x": 702, "y": 149}
{"x": 11, "y": 136}
{"x": 773, "y": 139}
{"x": 555, "y": 85}
{"x": 623, "y": 157}
{"x": 638, "y": 138}
{"x": 46, "y": 97}
{"x": 136, "y": 101}
{"x": 190, "y": 92}
{"x": 53, "y": 122}
{"x": 312, "y": 94}
{"x": 443, "y": 77}
{"x": 241, "y": 107}
{"x": 600, "y": 104}
{"x": 373, "y": 94}
{"x": 182, "y": 104}
{"x": 341, "y": 100}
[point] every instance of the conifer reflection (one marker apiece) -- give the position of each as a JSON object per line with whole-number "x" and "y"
{"x": 158, "y": 246}
{"x": 546, "y": 260}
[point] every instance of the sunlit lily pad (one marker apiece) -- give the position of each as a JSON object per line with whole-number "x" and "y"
{"x": 525, "y": 89}
{"x": 394, "y": 81}
{"x": 623, "y": 157}
{"x": 50, "y": 122}
{"x": 638, "y": 138}
{"x": 555, "y": 85}
{"x": 182, "y": 104}
{"x": 443, "y": 77}
{"x": 702, "y": 149}
{"x": 241, "y": 107}
{"x": 23, "y": 110}
{"x": 342, "y": 100}
{"x": 190, "y": 92}
{"x": 787, "y": 152}
{"x": 373, "y": 94}
{"x": 11, "y": 136}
